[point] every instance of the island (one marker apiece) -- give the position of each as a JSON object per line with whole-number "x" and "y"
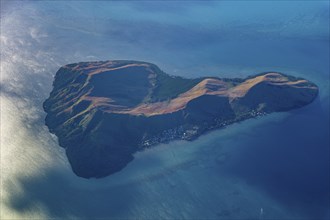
{"x": 103, "y": 112}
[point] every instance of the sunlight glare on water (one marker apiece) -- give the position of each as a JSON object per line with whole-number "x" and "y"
{"x": 264, "y": 164}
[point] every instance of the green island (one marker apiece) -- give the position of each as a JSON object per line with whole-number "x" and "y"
{"x": 103, "y": 112}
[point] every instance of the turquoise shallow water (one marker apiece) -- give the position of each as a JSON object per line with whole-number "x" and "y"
{"x": 274, "y": 167}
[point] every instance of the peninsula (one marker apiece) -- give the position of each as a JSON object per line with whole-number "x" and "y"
{"x": 103, "y": 112}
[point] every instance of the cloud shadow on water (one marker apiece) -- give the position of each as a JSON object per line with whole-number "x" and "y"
{"x": 61, "y": 194}
{"x": 60, "y": 199}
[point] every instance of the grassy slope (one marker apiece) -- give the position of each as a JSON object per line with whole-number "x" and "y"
{"x": 168, "y": 87}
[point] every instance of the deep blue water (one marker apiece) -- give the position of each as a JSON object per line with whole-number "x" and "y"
{"x": 289, "y": 161}
{"x": 274, "y": 167}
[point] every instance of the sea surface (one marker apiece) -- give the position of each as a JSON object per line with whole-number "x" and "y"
{"x": 272, "y": 167}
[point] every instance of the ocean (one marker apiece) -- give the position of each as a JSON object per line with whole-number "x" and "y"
{"x": 271, "y": 167}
